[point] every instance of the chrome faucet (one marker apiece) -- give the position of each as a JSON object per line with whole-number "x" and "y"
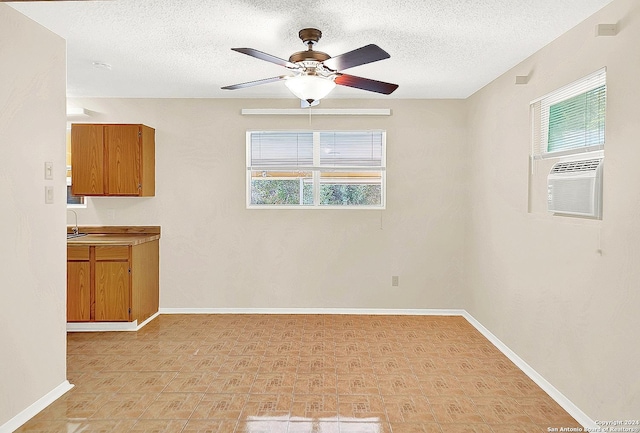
{"x": 75, "y": 228}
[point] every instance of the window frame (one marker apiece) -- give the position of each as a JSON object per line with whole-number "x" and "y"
{"x": 82, "y": 199}
{"x": 316, "y": 169}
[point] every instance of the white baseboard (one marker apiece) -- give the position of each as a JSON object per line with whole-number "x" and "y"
{"x": 357, "y": 311}
{"x": 101, "y": 326}
{"x": 31, "y": 411}
{"x": 108, "y": 326}
{"x": 556, "y": 395}
{"x": 149, "y": 319}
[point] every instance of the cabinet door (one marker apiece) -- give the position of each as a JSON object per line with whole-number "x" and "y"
{"x": 78, "y": 291}
{"x": 87, "y": 160}
{"x": 124, "y": 158}
{"x": 112, "y": 291}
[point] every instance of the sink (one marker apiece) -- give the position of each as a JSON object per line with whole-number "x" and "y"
{"x": 75, "y": 235}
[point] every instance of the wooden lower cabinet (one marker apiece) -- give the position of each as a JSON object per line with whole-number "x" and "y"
{"x": 78, "y": 291}
{"x": 112, "y": 283}
{"x": 112, "y": 292}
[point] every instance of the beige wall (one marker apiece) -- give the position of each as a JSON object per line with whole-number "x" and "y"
{"x": 32, "y": 247}
{"x": 538, "y": 281}
{"x": 217, "y": 254}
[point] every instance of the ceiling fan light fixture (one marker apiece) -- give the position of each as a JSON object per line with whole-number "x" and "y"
{"x": 310, "y": 87}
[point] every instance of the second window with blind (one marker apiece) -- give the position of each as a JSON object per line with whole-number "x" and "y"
{"x": 316, "y": 169}
{"x": 571, "y": 119}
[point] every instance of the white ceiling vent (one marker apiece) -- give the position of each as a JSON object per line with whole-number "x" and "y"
{"x": 575, "y": 188}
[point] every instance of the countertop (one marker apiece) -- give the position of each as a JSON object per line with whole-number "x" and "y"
{"x": 114, "y": 235}
{"x": 112, "y": 239}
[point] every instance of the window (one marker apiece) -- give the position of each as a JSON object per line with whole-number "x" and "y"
{"x": 571, "y": 119}
{"x": 316, "y": 169}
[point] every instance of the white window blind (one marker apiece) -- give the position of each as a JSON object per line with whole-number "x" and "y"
{"x": 351, "y": 148}
{"x": 570, "y": 119}
{"x": 281, "y": 149}
{"x": 295, "y": 149}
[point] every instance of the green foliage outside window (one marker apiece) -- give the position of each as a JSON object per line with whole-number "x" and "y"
{"x": 287, "y": 192}
{"x": 348, "y": 195}
{"x": 280, "y": 192}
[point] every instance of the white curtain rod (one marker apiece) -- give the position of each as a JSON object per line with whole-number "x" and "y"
{"x": 316, "y": 111}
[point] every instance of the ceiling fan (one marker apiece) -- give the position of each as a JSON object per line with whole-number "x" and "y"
{"x": 317, "y": 73}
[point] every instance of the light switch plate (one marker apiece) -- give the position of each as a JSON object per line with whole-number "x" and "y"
{"x": 48, "y": 194}
{"x": 48, "y": 170}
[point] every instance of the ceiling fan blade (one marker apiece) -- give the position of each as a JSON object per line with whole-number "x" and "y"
{"x": 365, "y": 84}
{"x": 267, "y": 57}
{"x": 367, "y": 54}
{"x": 254, "y": 83}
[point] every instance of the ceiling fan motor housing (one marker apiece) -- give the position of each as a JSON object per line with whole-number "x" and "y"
{"x": 310, "y": 36}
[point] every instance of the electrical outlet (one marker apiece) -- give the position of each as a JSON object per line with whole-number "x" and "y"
{"x": 395, "y": 281}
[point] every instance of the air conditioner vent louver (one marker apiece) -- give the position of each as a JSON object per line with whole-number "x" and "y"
{"x": 575, "y": 188}
{"x": 576, "y": 166}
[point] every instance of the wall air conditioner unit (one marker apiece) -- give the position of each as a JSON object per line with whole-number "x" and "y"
{"x": 575, "y": 188}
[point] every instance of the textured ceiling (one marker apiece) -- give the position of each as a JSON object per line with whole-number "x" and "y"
{"x": 181, "y": 48}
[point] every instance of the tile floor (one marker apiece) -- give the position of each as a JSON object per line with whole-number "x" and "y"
{"x": 295, "y": 374}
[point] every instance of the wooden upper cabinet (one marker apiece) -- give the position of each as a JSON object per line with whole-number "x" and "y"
{"x": 112, "y": 160}
{"x": 123, "y": 159}
{"x": 87, "y": 160}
